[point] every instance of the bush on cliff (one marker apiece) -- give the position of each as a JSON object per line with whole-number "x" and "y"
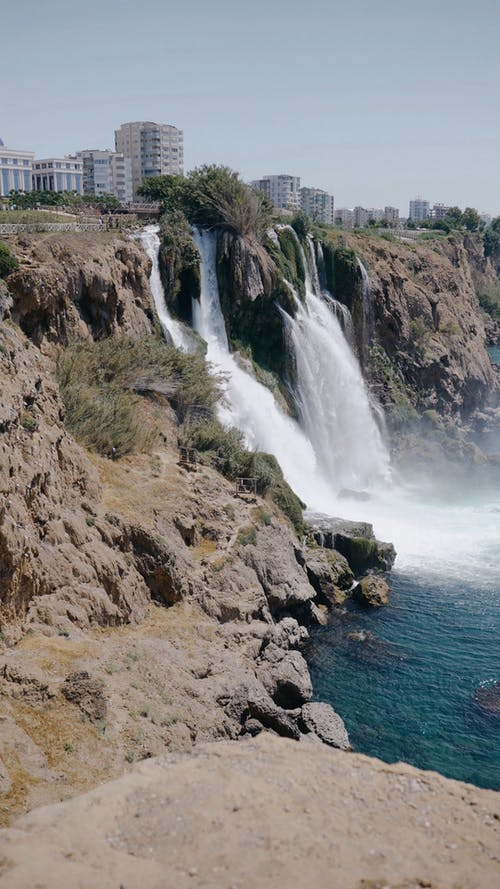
{"x": 225, "y": 450}
{"x": 212, "y": 196}
{"x": 102, "y": 384}
{"x": 8, "y": 262}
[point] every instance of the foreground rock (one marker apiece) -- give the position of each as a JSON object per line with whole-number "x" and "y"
{"x": 264, "y": 813}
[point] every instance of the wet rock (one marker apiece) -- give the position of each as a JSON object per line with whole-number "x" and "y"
{"x": 355, "y": 541}
{"x": 87, "y": 693}
{"x": 372, "y": 590}
{"x": 368, "y": 648}
{"x": 323, "y": 721}
{"x": 487, "y": 699}
{"x": 329, "y": 573}
{"x": 364, "y": 554}
{"x": 323, "y": 530}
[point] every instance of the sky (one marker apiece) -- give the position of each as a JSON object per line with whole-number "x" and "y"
{"x": 375, "y": 101}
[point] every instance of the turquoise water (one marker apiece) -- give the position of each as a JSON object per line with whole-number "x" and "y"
{"x": 403, "y": 677}
{"x": 494, "y": 354}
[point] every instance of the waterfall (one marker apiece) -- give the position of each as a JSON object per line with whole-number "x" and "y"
{"x": 249, "y": 405}
{"x": 333, "y": 404}
{"x": 173, "y": 330}
{"x": 341, "y": 311}
{"x": 367, "y": 314}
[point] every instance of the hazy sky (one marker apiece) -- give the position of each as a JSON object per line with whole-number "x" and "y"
{"x": 373, "y": 100}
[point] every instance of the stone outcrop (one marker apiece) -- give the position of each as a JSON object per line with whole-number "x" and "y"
{"x": 372, "y": 590}
{"x": 264, "y": 814}
{"x": 327, "y": 725}
{"x": 76, "y": 285}
{"x": 353, "y": 540}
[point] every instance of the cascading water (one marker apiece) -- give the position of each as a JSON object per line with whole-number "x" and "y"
{"x": 250, "y": 406}
{"x": 331, "y": 397}
{"x": 173, "y": 330}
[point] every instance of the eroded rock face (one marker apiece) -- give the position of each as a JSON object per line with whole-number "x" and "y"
{"x": 74, "y": 285}
{"x": 56, "y": 567}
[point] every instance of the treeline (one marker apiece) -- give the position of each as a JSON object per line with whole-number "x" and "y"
{"x": 30, "y": 200}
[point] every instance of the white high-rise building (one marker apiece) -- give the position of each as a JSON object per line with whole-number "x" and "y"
{"x": 107, "y": 172}
{"x": 15, "y": 170}
{"x": 154, "y": 149}
{"x": 419, "y": 210}
{"x": 318, "y": 204}
{"x": 283, "y": 190}
{"x": 58, "y": 174}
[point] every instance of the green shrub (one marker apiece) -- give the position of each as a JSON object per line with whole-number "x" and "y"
{"x": 247, "y": 536}
{"x": 8, "y": 262}
{"x": 103, "y": 384}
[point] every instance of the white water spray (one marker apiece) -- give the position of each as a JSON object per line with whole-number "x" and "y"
{"x": 173, "y": 330}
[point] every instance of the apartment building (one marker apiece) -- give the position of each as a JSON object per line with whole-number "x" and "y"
{"x": 344, "y": 217}
{"x": 107, "y": 172}
{"x": 361, "y": 217}
{"x": 318, "y": 204}
{"x": 391, "y": 216}
{"x": 283, "y": 190}
{"x": 438, "y": 211}
{"x": 419, "y": 210}
{"x": 154, "y": 149}
{"x": 58, "y": 174}
{"x": 15, "y": 170}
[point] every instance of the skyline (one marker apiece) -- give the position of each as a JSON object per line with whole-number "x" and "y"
{"x": 374, "y": 105}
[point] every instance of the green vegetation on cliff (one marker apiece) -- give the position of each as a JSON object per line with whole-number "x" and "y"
{"x": 102, "y": 384}
{"x": 8, "y": 262}
{"x": 107, "y": 385}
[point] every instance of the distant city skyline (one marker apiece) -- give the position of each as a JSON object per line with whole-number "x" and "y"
{"x": 374, "y": 103}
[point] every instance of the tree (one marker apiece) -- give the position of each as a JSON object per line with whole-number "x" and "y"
{"x": 471, "y": 219}
{"x": 453, "y": 217}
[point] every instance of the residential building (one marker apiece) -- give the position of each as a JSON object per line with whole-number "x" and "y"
{"x": 107, "y": 172}
{"x": 391, "y": 216}
{"x": 361, "y": 217}
{"x": 58, "y": 174}
{"x": 438, "y": 211}
{"x": 376, "y": 214}
{"x": 419, "y": 210}
{"x": 283, "y": 190}
{"x": 154, "y": 149}
{"x": 318, "y": 204}
{"x": 15, "y": 170}
{"x": 344, "y": 217}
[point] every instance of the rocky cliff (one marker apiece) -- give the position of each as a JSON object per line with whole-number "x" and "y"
{"x": 142, "y": 605}
{"x": 418, "y": 327}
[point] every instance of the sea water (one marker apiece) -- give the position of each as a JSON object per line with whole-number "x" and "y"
{"x": 404, "y": 676}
